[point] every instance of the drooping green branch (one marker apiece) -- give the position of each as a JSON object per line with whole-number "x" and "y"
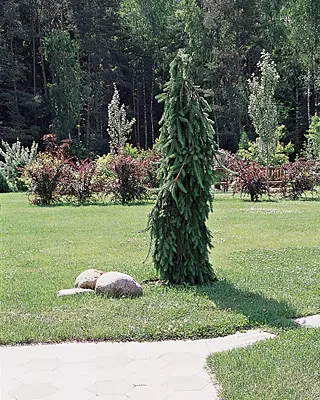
{"x": 181, "y": 240}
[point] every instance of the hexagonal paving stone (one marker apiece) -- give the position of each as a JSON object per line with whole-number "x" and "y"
{"x": 72, "y": 393}
{"x": 197, "y": 368}
{"x": 77, "y": 369}
{"x": 38, "y": 377}
{"x": 42, "y": 364}
{"x": 33, "y": 391}
{"x": 193, "y": 395}
{"x": 148, "y": 392}
{"x": 185, "y": 383}
{"x": 179, "y": 358}
{"x": 112, "y": 361}
{"x": 110, "y": 387}
{"x": 113, "y": 397}
{"x": 5, "y": 396}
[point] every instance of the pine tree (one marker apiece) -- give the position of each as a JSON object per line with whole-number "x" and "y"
{"x": 180, "y": 238}
{"x": 119, "y": 127}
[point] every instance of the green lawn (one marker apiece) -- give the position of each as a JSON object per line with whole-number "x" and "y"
{"x": 284, "y": 368}
{"x": 267, "y": 257}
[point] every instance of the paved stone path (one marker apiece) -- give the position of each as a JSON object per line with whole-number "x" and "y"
{"x": 313, "y": 321}
{"x": 172, "y": 370}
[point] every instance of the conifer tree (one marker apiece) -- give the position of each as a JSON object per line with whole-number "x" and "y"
{"x": 119, "y": 127}
{"x": 180, "y": 238}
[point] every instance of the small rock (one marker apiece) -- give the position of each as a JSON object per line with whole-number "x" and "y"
{"x": 118, "y": 284}
{"x": 73, "y": 291}
{"x": 87, "y": 279}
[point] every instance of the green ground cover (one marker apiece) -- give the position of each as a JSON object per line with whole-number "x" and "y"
{"x": 267, "y": 257}
{"x": 286, "y": 367}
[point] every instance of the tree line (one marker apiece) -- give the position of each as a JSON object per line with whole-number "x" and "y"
{"x": 59, "y": 60}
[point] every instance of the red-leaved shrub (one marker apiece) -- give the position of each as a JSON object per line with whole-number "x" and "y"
{"x": 300, "y": 176}
{"x": 130, "y": 174}
{"x": 80, "y": 180}
{"x": 251, "y": 179}
{"x": 44, "y": 173}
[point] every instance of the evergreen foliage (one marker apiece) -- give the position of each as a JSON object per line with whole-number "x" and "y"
{"x": 180, "y": 238}
{"x": 4, "y": 187}
{"x": 119, "y": 127}
{"x": 312, "y": 150}
{"x": 62, "y": 53}
{"x": 244, "y": 141}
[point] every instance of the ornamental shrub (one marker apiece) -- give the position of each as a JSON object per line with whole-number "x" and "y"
{"x": 4, "y": 187}
{"x": 51, "y": 145}
{"x": 45, "y": 174}
{"x": 250, "y": 179}
{"x": 80, "y": 180}
{"x": 14, "y": 158}
{"x": 104, "y": 169}
{"x": 151, "y": 162}
{"x": 300, "y": 177}
{"x": 279, "y": 156}
{"x": 129, "y": 182}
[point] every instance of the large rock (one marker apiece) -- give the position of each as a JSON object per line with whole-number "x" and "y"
{"x": 117, "y": 284}
{"x": 87, "y": 279}
{"x": 73, "y": 291}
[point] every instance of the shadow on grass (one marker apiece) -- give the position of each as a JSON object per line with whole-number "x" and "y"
{"x": 260, "y": 310}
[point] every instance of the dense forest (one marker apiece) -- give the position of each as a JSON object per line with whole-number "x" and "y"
{"x": 59, "y": 60}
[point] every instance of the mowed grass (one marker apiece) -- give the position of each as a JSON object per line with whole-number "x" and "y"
{"x": 286, "y": 367}
{"x": 266, "y": 255}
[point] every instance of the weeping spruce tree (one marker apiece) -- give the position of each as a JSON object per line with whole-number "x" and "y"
{"x": 181, "y": 240}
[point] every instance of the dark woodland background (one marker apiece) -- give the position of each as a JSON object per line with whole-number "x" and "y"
{"x": 60, "y": 58}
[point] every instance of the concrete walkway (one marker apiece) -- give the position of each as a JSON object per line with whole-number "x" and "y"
{"x": 172, "y": 370}
{"x": 313, "y": 321}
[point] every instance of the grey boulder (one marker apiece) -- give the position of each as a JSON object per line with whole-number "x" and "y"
{"x": 87, "y": 279}
{"x": 118, "y": 284}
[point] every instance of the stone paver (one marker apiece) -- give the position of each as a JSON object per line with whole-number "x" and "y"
{"x": 313, "y": 321}
{"x": 172, "y": 370}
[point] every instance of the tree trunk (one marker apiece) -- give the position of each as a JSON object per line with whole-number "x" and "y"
{"x": 151, "y": 104}
{"x": 134, "y": 107}
{"x": 145, "y": 111}
{"x": 88, "y": 110}
{"x": 14, "y": 80}
{"x": 44, "y": 77}
{"x": 308, "y": 98}
{"x": 138, "y": 120}
{"x": 34, "y": 66}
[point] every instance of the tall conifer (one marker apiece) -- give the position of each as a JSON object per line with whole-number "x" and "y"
{"x": 181, "y": 240}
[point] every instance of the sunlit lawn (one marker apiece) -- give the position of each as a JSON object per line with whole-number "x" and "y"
{"x": 285, "y": 368}
{"x": 267, "y": 257}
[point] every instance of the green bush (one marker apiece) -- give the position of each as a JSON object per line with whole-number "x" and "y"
{"x": 22, "y": 184}
{"x": 15, "y": 157}
{"x": 4, "y": 187}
